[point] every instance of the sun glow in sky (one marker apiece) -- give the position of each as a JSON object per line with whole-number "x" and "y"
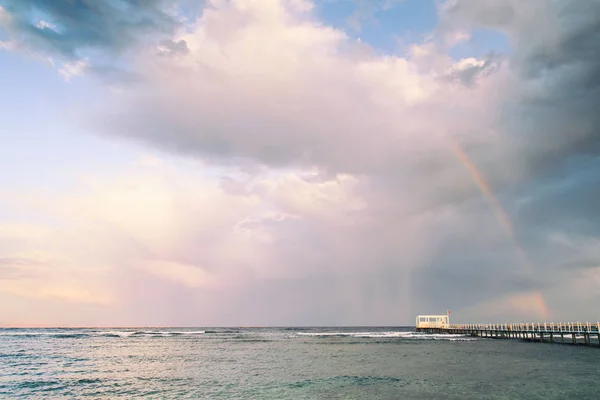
{"x": 297, "y": 162}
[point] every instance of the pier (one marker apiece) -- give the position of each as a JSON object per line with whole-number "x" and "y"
{"x": 583, "y": 333}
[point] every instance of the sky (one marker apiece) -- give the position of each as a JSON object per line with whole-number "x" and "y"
{"x": 298, "y": 162}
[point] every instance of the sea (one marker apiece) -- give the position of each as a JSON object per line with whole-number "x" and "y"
{"x": 288, "y": 363}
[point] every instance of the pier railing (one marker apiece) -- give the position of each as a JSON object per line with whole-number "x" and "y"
{"x": 558, "y": 327}
{"x": 553, "y": 332}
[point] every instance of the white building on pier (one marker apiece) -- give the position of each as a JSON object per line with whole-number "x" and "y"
{"x": 433, "y": 321}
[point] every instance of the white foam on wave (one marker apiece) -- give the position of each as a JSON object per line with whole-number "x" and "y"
{"x": 123, "y": 334}
{"x": 403, "y": 335}
{"x": 43, "y": 333}
{"x": 148, "y": 333}
{"x": 115, "y": 333}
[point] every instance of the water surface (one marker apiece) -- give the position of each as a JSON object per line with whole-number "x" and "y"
{"x": 288, "y": 363}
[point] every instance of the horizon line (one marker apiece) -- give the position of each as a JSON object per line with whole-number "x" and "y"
{"x": 195, "y": 326}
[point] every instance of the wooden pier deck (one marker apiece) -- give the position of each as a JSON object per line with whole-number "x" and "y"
{"x": 562, "y": 332}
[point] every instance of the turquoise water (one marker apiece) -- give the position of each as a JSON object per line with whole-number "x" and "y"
{"x": 270, "y": 363}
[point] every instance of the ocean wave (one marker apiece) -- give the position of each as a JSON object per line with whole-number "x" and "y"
{"x": 31, "y": 384}
{"x": 115, "y": 334}
{"x": 45, "y": 333}
{"x": 347, "y": 380}
{"x": 158, "y": 333}
{"x": 20, "y": 333}
{"x": 383, "y": 335}
{"x": 267, "y": 335}
{"x": 69, "y": 335}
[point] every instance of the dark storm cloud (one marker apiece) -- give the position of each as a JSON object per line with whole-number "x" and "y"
{"x": 552, "y": 115}
{"x": 553, "y": 127}
{"x": 569, "y": 199}
{"x": 567, "y": 114}
{"x": 69, "y": 27}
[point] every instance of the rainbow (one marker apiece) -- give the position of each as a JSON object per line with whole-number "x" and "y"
{"x": 502, "y": 218}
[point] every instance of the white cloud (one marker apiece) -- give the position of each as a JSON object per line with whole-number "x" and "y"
{"x": 186, "y": 230}
{"x": 467, "y": 63}
{"x": 45, "y": 25}
{"x": 300, "y": 94}
{"x": 70, "y": 69}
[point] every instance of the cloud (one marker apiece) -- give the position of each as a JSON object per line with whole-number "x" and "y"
{"x": 354, "y": 186}
{"x": 306, "y": 248}
{"x": 269, "y": 72}
{"x": 187, "y": 275}
{"x": 42, "y": 274}
{"x": 181, "y": 235}
{"x": 69, "y": 70}
{"x": 555, "y": 68}
{"x": 467, "y": 71}
{"x": 68, "y": 28}
{"x": 250, "y": 89}
{"x": 86, "y": 36}
{"x": 170, "y": 48}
